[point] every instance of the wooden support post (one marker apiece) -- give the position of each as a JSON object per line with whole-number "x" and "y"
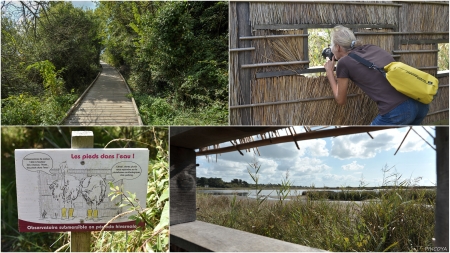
{"x": 244, "y": 30}
{"x": 182, "y": 185}
{"x": 81, "y": 241}
{"x": 441, "y": 213}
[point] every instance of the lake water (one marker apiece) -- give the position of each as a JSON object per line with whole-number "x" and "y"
{"x": 272, "y": 194}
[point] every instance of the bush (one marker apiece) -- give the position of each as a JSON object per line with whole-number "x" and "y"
{"x": 21, "y": 110}
{"x": 158, "y": 111}
{"x": 30, "y": 110}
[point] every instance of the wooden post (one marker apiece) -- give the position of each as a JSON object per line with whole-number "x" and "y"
{"x": 81, "y": 241}
{"x": 441, "y": 213}
{"x": 244, "y": 29}
{"x": 182, "y": 185}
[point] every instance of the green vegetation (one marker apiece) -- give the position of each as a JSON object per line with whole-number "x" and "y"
{"x": 401, "y": 219}
{"x": 443, "y": 55}
{"x": 407, "y": 193}
{"x": 174, "y": 56}
{"x": 155, "y": 235}
{"x": 317, "y": 41}
{"x": 50, "y": 53}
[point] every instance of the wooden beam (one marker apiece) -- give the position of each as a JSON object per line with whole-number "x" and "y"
{"x": 417, "y": 42}
{"x": 201, "y": 236}
{"x": 316, "y": 26}
{"x": 337, "y": 3}
{"x": 289, "y": 72}
{"x": 398, "y": 33}
{"x": 81, "y": 241}
{"x": 414, "y": 51}
{"x": 271, "y": 64}
{"x": 273, "y": 36}
{"x": 428, "y": 67}
{"x": 427, "y": 2}
{"x": 436, "y": 112}
{"x": 288, "y": 102}
{"x": 296, "y": 137}
{"x": 242, "y": 49}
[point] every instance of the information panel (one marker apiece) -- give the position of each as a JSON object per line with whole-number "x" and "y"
{"x": 67, "y": 189}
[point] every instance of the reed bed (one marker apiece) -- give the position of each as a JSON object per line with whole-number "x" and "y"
{"x": 359, "y": 109}
{"x": 320, "y": 13}
{"x": 389, "y": 224}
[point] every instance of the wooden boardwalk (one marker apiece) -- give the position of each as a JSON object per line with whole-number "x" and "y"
{"x": 105, "y": 103}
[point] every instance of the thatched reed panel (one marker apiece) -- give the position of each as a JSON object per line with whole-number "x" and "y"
{"x": 439, "y": 107}
{"x": 423, "y": 17}
{"x": 385, "y": 41}
{"x": 359, "y": 110}
{"x": 412, "y": 24}
{"x": 278, "y": 50}
{"x": 321, "y": 13}
{"x": 418, "y": 60}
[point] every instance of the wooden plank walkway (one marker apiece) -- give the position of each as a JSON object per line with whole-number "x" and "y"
{"x": 105, "y": 103}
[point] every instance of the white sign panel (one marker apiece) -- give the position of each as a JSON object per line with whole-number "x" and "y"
{"x": 67, "y": 189}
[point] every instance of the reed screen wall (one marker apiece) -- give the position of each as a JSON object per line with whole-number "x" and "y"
{"x": 269, "y": 58}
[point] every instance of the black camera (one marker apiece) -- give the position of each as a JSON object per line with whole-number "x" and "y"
{"x": 327, "y": 53}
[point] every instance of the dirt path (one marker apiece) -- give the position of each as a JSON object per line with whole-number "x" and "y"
{"x": 106, "y": 103}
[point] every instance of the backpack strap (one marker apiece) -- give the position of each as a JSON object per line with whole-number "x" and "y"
{"x": 367, "y": 63}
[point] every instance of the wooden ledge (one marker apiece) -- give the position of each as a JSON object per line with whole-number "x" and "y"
{"x": 201, "y": 236}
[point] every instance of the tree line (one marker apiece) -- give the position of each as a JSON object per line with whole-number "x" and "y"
{"x": 50, "y": 52}
{"x": 174, "y": 56}
{"x": 215, "y": 182}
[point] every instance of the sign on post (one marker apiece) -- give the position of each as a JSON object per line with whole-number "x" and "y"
{"x": 67, "y": 189}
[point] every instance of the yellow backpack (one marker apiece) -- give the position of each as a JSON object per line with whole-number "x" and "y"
{"x": 410, "y": 81}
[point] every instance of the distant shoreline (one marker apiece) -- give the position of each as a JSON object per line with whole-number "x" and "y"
{"x": 317, "y": 188}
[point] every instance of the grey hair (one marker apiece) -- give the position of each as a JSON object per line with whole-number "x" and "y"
{"x": 344, "y": 37}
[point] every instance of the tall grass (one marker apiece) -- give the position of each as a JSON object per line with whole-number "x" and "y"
{"x": 393, "y": 222}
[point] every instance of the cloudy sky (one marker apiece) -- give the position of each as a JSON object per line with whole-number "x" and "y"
{"x": 333, "y": 162}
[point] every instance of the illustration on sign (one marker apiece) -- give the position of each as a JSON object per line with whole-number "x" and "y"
{"x": 68, "y": 188}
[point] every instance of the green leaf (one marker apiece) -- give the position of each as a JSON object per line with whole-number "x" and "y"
{"x": 164, "y": 220}
{"x": 164, "y": 196}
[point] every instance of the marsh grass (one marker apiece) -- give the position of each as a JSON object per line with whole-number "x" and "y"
{"x": 400, "y": 219}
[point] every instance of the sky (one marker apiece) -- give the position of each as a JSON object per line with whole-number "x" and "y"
{"x": 350, "y": 160}
{"x": 84, "y": 4}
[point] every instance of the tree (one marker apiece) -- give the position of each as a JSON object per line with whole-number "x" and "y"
{"x": 203, "y": 181}
{"x": 69, "y": 39}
